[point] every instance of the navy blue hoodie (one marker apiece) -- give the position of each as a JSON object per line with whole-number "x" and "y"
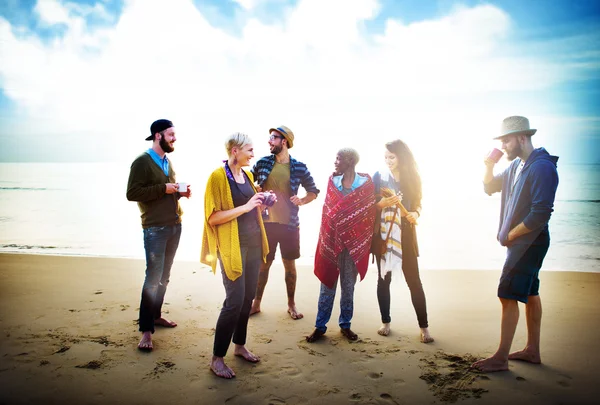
{"x": 530, "y": 200}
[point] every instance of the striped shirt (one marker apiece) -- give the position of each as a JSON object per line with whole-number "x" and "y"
{"x": 299, "y": 175}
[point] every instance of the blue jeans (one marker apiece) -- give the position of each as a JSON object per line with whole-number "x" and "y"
{"x": 348, "y": 274}
{"x": 233, "y": 319}
{"x": 161, "y": 244}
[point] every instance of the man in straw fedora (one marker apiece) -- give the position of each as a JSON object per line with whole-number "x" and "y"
{"x": 528, "y": 187}
{"x": 283, "y": 175}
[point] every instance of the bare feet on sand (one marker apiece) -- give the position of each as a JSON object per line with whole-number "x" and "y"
{"x": 218, "y": 366}
{"x": 293, "y": 311}
{"x": 316, "y": 335}
{"x": 490, "y": 365}
{"x": 425, "y": 336}
{"x": 164, "y": 322}
{"x": 255, "y": 309}
{"x": 146, "y": 342}
{"x": 384, "y": 330}
{"x": 241, "y": 351}
{"x": 528, "y": 355}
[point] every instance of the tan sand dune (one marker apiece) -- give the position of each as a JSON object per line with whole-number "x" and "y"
{"x": 69, "y": 335}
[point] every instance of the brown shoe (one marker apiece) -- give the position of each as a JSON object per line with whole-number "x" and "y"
{"x": 349, "y": 334}
{"x": 316, "y": 335}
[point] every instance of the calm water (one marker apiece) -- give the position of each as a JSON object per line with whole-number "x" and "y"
{"x": 81, "y": 209}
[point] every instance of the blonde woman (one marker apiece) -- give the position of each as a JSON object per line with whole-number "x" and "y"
{"x": 234, "y": 235}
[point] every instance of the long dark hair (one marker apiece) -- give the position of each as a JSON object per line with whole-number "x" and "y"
{"x": 409, "y": 171}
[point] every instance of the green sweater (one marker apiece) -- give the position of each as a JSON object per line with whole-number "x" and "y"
{"x": 147, "y": 186}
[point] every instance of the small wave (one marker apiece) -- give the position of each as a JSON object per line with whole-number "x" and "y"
{"x": 582, "y": 201}
{"x": 28, "y": 247}
{"x": 25, "y": 188}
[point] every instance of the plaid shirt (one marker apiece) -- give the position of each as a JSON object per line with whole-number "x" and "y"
{"x": 299, "y": 175}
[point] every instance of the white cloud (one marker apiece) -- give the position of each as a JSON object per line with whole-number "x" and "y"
{"x": 52, "y": 12}
{"x": 315, "y": 69}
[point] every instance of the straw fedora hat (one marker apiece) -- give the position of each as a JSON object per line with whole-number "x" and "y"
{"x": 286, "y": 133}
{"x": 515, "y": 125}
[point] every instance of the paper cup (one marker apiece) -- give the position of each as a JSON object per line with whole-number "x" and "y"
{"x": 182, "y": 187}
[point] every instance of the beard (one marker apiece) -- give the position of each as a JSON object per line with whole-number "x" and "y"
{"x": 275, "y": 149}
{"x": 165, "y": 145}
{"x": 513, "y": 154}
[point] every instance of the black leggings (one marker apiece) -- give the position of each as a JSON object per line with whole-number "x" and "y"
{"x": 410, "y": 268}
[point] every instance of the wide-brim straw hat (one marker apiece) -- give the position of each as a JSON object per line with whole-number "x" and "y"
{"x": 515, "y": 125}
{"x": 286, "y": 133}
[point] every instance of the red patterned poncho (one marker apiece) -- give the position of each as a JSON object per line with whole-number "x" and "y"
{"x": 347, "y": 222}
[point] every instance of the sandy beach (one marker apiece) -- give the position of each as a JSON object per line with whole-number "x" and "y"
{"x": 69, "y": 336}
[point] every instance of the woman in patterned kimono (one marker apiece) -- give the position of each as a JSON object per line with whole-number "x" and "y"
{"x": 402, "y": 183}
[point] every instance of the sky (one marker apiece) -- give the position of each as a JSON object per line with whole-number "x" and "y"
{"x": 82, "y": 81}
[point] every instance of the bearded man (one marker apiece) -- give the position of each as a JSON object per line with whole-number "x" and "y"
{"x": 153, "y": 186}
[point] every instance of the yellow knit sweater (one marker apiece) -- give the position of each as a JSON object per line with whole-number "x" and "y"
{"x": 224, "y": 239}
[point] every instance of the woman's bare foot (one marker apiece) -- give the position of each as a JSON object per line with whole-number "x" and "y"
{"x": 425, "y": 336}
{"x": 255, "y": 308}
{"x": 146, "y": 342}
{"x": 384, "y": 330}
{"x": 528, "y": 355}
{"x": 218, "y": 366}
{"x": 241, "y": 351}
{"x": 164, "y": 322}
{"x": 491, "y": 364}
{"x": 293, "y": 311}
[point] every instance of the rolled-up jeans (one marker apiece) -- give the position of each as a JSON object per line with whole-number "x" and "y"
{"x": 161, "y": 243}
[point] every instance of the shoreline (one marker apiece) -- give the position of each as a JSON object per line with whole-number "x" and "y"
{"x": 68, "y": 329}
{"x": 303, "y": 261}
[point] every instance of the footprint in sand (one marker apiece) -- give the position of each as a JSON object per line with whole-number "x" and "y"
{"x": 291, "y": 371}
{"x": 374, "y": 375}
{"x": 521, "y": 379}
{"x": 563, "y": 383}
{"x": 388, "y": 398}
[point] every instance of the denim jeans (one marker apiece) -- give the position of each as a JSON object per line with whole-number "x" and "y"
{"x": 161, "y": 244}
{"x": 348, "y": 274}
{"x": 233, "y": 319}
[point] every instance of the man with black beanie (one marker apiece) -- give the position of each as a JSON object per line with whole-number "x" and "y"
{"x": 153, "y": 186}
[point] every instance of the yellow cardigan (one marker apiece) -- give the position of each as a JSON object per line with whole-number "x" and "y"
{"x": 224, "y": 239}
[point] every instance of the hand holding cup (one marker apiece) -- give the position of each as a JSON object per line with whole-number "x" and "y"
{"x": 269, "y": 198}
{"x": 494, "y": 156}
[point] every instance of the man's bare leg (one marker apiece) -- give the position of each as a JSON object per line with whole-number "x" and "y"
{"x": 290, "y": 282}
{"x": 218, "y": 366}
{"x": 146, "y": 341}
{"x": 263, "y": 277}
{"x": 533, "y": 313}
{"x": 510, "y": 318}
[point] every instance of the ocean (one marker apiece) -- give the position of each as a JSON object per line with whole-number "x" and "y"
{"x": 80, "y": 209}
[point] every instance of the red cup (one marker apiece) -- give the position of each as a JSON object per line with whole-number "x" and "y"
{"x": 495, "y": 155}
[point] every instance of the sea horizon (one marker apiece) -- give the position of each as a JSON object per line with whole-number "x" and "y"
{"x": 41, "y": 213}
